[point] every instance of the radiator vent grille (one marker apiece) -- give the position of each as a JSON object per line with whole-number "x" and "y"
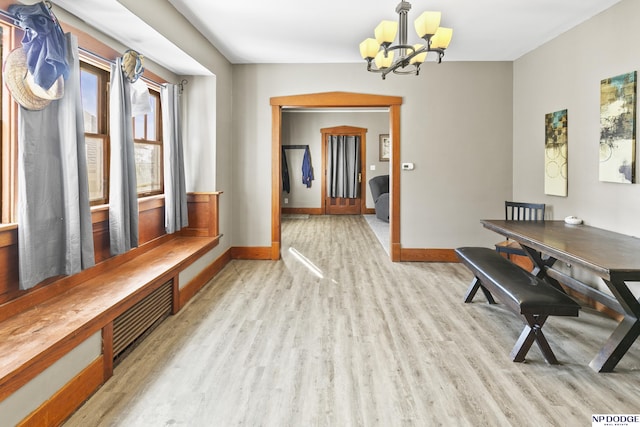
{"x": 134, "y": 322}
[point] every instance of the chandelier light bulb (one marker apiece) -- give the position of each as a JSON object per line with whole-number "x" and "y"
{"x": 369, "y": 48}
{"x": 427, "y": 23}
{"x": 383, "y": 61}
{"x": 441, "y": 38}
{"x": 386, "y": 32}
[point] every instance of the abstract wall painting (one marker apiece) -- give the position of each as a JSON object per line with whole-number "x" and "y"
{"x": 618, "y": 128}
{"x": 555, "y": 153}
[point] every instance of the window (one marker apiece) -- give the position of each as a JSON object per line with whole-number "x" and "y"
{"x": 93, "y": 86}
{"x": 147, "y": 134}
{"x": 147, "y": 130}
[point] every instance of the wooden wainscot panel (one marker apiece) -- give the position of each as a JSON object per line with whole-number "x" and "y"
{"x": 101, "y": 240}
{"x": 150, "y": 218}
{"x": 151, "y": 225}
{"x": 107, "y": 350}
{"x": 203, "y": 214}
{"x": 9, "y": 285}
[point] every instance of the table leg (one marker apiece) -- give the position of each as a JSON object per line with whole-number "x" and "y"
{"x": 540, "y": 266}
{"x": 617, "y": 345}
{"x": 536, "y": 258}
{"x": 625, "y": 333}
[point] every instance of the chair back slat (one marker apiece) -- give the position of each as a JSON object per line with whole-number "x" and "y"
{"x": 518, "y": 211}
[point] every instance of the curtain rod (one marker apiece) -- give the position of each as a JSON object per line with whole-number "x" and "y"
{"x": 7, "y": 15}
{"x": 111, "y": 61}
{"x": 96, "y": 56}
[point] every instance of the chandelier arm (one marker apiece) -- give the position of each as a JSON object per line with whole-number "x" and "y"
{"x": 370, "y": 68}
{"x": 400, "y": 46}
{"x": 395, "y": 68}
{"x": 415, "y": 71}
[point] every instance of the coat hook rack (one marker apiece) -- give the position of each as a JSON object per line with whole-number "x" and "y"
{"x": 181, "y": 85}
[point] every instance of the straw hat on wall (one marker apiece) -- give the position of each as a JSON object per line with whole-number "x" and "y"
{"x": 22, "y": 85}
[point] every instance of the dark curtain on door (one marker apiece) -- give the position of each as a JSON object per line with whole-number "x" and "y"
{"x": 343, "y": 166}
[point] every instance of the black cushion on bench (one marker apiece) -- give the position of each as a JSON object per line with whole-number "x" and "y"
{"x": 533, "y": 299}
{"x": 523, "y": 292}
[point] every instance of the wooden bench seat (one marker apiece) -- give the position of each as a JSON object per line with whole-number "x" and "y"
{"x": 529, "y": 297}
{"x": 33, "y": 339}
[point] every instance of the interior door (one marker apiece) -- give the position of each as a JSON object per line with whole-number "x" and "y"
{"x": 337, "y": 204}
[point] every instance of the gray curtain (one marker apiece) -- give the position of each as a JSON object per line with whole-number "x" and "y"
{"x": 123, "y": 195}
{"x": 343, "y": 154}
{"x": 55, "y": 235}
{"x": 175, "y": 193}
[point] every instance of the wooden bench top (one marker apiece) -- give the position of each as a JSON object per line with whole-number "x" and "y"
{"x": 35, "y": 338}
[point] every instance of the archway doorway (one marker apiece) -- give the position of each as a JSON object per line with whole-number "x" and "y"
{"x": 335, "y": 100}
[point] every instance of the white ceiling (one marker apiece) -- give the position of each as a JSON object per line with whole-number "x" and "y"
{"x": 329, "y": 31}
{"x": 113, "y": 19}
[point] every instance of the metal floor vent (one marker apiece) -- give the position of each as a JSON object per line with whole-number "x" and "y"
{"x": 133, "y": 323}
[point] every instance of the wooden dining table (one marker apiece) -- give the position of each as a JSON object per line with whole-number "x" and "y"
{"x": 614, "y": 257}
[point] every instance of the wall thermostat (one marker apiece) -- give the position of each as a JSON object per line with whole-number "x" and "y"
{"x": 407, "y": 166}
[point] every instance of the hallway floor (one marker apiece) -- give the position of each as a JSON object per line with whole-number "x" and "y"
{"x": 334, "y": 334}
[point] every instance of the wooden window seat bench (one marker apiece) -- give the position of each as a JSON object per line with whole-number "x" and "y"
{"x": 38, "y": 332}
{"x": 529, "y": 297}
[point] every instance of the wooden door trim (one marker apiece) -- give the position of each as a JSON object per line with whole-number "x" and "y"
{"x": 335, "y": 100}
{"x": 350, "y": 131}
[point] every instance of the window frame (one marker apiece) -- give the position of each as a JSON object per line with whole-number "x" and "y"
{"x": 159, "y": 141}
{"x": 102, "y": 120}
{"x": 9, "y": 135}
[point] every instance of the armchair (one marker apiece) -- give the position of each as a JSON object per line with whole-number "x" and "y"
{"x": 379, "y": 186}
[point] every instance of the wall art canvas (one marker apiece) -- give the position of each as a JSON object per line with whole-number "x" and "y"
{"x": 618, "y": 128}
{"x": 385, "y": 147}
{"x": 555, "y": 153}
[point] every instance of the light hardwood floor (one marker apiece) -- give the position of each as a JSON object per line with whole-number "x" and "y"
{"x": 352, "y": 339}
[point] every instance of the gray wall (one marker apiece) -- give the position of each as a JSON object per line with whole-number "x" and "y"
{"x": 566, "y": 73}
{"x": 456, "y": 126}
{"x": 208, "y": 122}
{"x": 303, "y": 127}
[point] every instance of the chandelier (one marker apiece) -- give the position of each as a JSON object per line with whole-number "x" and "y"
{"x": 379, "y": 53}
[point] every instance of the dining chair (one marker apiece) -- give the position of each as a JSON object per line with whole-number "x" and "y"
{"x": 519, "y": 211}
